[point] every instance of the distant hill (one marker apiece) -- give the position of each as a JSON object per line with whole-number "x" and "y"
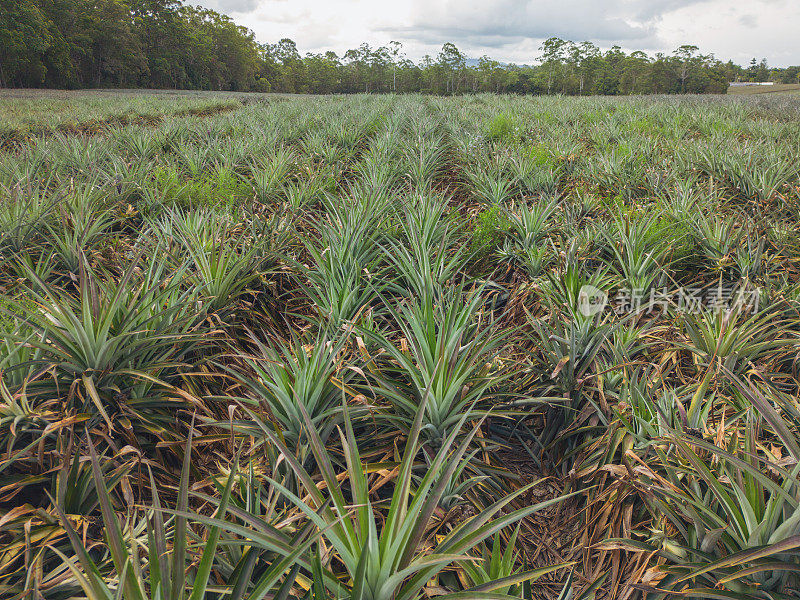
{"x": 473, "y": 62}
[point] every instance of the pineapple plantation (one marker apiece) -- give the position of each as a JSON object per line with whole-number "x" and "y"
{"x": 398, "y": 347}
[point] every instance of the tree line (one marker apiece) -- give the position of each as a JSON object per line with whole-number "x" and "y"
{"x": 124, "y": 43}
{"x": 166, "y": 44}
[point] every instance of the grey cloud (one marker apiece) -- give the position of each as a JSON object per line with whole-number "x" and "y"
{"x": 750, "y": 21}
{"x": 653, "y": 9}
{"x": 232, "y": 6}
{"x": 494, "y": 23}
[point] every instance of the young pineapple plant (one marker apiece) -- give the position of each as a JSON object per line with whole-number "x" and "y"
{"x": 222, "y": 268}
{"x": 269, "y": 173}
{"x": 429, "y": 253}
{"x": 112, "y": 339}
{"x": 737, "y": 529}
{"x": 639, "y": 249}
{"x": 443, "y": 360}
{"x": 527, "y": 243}
{"x": 735, "y": 338}
{"x": 565, "y": 374}
{"x": 177, "y": 563}
{"x": 344, "y": 270}
{"x": 19, "y": 357}
{"x": 75, "y": 235}
{"x": 24, "y": 215}
{"x": 490, "y": 188}
{"x": 717, "y": 238}
{"x": 424, "y": 160}
{"x": 381, "y": 556}
{"x": 536, "y": 174}
{"x": 289, "y": 380}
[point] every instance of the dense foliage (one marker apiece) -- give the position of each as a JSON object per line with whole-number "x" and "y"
{"x": 166, "y": 44}
{"x": 124, "y": 43}
{"x": 394, "y": 347}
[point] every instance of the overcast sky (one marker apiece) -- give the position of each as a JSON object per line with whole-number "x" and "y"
{"x": 512, "y": 30}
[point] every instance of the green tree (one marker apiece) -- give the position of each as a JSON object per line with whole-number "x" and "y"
{"x": 552, "y": 59}
{"x": 453, "y": 63}
{"x": 492, "y": 75}
{"x": 686, "y": 56}
{"x": 322, "y": 71}
{"x": 635, "y": 71}
{"x": 114, "y": 54}
{"x": 24, "y": 37}
{"x": 396, "y": 52}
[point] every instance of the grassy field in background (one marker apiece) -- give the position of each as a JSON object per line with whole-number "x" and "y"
{"x": 767, "y": 89}
{"x": 30, "y": 111}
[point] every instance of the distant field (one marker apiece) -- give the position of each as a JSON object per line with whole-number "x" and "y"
{"x": 767, "y": 89}
{"x": 31, "y": 111}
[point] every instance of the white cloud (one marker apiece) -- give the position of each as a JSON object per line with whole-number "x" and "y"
{"x": 512, "y": 30}
{"x": 739, "y": 31}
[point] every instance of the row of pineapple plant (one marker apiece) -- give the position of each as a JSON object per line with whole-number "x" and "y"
{"x": 291, "y": 350}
